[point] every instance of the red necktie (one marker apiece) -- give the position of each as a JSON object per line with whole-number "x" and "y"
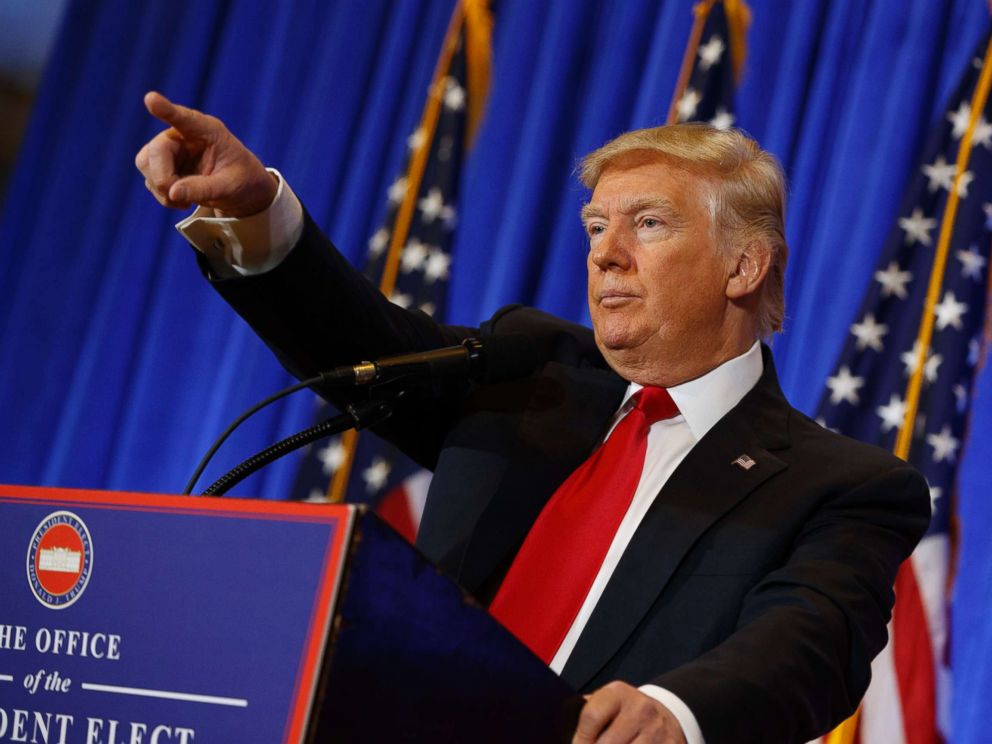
{"x": 564, "y": 550}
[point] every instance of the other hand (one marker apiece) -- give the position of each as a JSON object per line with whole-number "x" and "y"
{"x": 619, "y": 713}
{"x": 198, "y": 161}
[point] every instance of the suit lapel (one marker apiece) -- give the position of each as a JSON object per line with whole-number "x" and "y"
{"x": 566, "y": 418}
{"x": 704, "y": 487}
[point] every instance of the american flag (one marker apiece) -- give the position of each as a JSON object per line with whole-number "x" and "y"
{"x": 713, "y": 63}
{"x": 377, "y": 473}
{"x": 869, "y": 394}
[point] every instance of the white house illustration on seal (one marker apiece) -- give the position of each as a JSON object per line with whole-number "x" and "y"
{"x": 64, "y": 560}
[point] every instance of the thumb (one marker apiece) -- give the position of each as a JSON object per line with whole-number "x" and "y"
{"x": 196, "y": 190}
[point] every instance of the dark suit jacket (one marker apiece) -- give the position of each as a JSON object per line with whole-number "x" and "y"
{"x": 757, "y": 596}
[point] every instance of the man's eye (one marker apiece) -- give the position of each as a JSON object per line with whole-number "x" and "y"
{"x": 595, "y": 230}
{"x": 650, "y": 222}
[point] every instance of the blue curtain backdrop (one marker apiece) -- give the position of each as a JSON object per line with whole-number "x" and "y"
{"x": 118, "y": 365}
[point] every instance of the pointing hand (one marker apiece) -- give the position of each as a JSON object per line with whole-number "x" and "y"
{"x": 198, "y": 161}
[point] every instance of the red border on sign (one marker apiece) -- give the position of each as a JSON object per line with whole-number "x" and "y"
{"x": 318, "y": 626}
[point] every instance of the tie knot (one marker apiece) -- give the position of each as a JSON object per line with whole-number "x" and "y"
{"x": 655, "y": 403}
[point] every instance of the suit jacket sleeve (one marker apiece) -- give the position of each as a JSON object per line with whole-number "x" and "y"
{"x": 799, "y": 660}
{"x": 316, "y": 312}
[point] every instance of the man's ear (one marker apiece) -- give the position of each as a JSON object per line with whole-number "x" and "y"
{"x": 749, "y": 271}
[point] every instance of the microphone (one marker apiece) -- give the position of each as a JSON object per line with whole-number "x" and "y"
{"x": 498, "y": 358}
{"x": 501, "y": 357}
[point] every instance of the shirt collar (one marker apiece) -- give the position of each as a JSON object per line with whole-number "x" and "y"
{"x": 707, "y": 399}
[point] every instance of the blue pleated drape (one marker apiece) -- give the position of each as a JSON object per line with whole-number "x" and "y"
{"x": 118, "y": 365}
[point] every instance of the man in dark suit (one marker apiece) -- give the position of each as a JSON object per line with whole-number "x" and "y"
{"x": 742, "y": 578}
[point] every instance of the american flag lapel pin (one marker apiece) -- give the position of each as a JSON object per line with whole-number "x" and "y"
{"x": 744, "y": 462}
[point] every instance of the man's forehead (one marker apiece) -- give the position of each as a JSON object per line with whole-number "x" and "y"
{"x": 647, "y": 179}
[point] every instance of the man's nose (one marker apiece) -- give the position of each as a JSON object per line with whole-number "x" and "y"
{"x": 612, "y": 252}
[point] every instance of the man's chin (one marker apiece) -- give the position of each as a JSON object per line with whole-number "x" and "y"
{"x": 615, "y": 340}
{"x": 615, "y": 345}
{"x": 614, "y": 330}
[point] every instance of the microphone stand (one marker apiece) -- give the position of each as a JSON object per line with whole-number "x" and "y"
{"x": 359, "y": 415}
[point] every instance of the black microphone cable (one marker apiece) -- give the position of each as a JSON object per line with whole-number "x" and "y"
{"x": 237, "y": 422}
{"x": 358, "y": 416}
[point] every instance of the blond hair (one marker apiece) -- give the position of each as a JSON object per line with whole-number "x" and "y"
{"x": 746, "y": 198}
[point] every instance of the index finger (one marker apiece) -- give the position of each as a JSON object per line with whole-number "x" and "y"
{"x": 597, "y": 714}
{"x": 186, "y": 120}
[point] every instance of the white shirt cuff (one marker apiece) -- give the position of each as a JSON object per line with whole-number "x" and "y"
{"x": 690, "y": 726}
{"x": 248, "y": 245}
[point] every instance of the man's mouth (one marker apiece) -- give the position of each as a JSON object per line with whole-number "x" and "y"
{"x": 616, "y": 298}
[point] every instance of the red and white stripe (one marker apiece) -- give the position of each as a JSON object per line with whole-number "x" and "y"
{"x": 908, "y": 701}
{"x": 403, "y": 506}
{"x": 909, "y": 697}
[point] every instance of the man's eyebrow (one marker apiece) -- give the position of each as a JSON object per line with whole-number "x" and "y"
{"x": 630, "y": 205}
{"x": 589, "y": 211}
{"x": 634, "y": 204}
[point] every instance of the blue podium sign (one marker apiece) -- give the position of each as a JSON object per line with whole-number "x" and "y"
{"x": 143, "y": 619}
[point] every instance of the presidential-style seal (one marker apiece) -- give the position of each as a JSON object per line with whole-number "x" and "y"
{"x": 60, "y": 559}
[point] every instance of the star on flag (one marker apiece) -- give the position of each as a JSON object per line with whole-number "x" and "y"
{"x": 416, "y": 138}
{"x": 983, "y": 134}
{"x": 397, "y": 190}
{"x": 711, "y": 52}
{"x": 375, "y": 475}
{"x": 893, "y": 281}
{"x": 432, "y": 206}
{"x": 940, "y": 174}
{"x": 378, "y": 242}
{"x": 316, "y": 496}
{"x": 945, "y": 445}
{"x": 454, "y": 95}
{"x": 414, "y": 255}
{"x": 917, "y": 227}
{"x": 688, "y": 104}
{"x": 949, "y": 312}
{"x": 331, "y": 456}
{"x": 959, "y": 119}
{"x": 438, "y": 264}
{"x": 972, "y": 263}
{"x": 844, "y": 386}
{"x": 723, "y": 119}
{"x": 963, "y": 181}
{"x": 960, "y": 397}
{"x": 910, "y": 360}
{"x": 869, "y": 333}
{"x": 401, "y": 298}
{"x": 892, "y": 413}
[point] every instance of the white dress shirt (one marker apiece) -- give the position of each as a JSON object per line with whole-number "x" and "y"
{"x": 253, "y": 245}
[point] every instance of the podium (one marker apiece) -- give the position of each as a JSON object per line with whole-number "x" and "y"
{"x": 136, "y": 618}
